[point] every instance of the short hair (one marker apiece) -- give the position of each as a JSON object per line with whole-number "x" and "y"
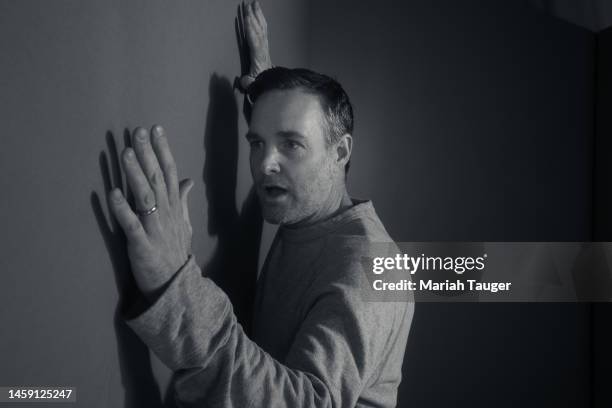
{"x": 337, "y": 108}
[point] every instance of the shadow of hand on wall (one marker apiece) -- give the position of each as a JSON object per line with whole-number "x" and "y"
{"x": 141, "y": 389}
{"x": 233, "y": 265}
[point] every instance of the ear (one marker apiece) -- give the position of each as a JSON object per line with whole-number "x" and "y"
{"x": 344, "y": 147}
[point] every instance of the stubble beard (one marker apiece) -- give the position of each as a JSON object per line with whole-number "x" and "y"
{"x": 309, "y": 200}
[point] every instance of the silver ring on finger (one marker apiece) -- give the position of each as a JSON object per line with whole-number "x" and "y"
{"x": 144, "y": 213}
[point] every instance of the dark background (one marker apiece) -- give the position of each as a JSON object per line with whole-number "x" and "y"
{"x": 475, "y": 120}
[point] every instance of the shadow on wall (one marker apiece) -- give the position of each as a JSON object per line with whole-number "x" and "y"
{"x": 233, "y": 265}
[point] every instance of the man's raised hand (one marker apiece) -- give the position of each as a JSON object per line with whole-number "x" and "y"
{"x": 255, "y": 30}
{"x": 158, "y": 229}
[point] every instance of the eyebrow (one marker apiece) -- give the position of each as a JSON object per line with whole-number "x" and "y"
{"x": 291, "y": 134}
{"x": 282, "y": 133}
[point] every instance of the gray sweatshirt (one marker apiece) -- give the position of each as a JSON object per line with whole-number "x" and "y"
{"x": 316, "y": 341}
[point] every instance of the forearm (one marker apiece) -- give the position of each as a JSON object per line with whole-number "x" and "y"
{"x": 191, "y": 307}
{"x": 193, "y": 330}
{"x": 242, "y": 375}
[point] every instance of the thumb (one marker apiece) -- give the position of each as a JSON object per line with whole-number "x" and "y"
{"x": 185, "y": 187}
{"x": 246, "y": 81}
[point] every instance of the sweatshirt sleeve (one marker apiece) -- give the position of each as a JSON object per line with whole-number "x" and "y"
{"x": 192, "y": 329}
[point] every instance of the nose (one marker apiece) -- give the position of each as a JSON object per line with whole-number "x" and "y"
{"x": 269, "y": 164}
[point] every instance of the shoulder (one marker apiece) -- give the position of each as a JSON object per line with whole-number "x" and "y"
{"x": 342, "y": 269}
{"x": 345, "y": 257}
{"x": 350, "y": 245}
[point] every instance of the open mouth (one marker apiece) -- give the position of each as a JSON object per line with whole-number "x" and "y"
{"x": 275, "y": 191}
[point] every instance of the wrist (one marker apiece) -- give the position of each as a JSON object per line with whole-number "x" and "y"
{"x": 152, "y": 294}
{"x": 243, "y": 82}
{"x": 259, "y": 67}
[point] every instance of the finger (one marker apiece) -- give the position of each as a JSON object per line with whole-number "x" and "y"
{"x": 260, "y": 15}
{"x": 149, "y": 164}
{"x": 166, "y": 162}
{"x": 240, "y": 18}
{"x": 144, "y": 198}
{"x": 242, "y": 25}
{"x": 252, "y": 31}
{"x": 238, "y": 30}
{"x": 257, "y": 20}
{"x": 126, "y": 218}
{"x": 241, "y": 40}
{"x": 184, "y": 189}
{"x": 250, "y": 16}
{"x": 243, "y": 15}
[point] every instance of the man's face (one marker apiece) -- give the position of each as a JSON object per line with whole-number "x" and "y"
{"x": 293, "y": 167}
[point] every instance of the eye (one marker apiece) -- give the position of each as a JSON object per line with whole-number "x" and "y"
{"x": 292, "y": 144}
{"x": 255, "y": 144}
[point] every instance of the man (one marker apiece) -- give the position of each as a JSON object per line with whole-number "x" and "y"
{"x": 316, "y": 341}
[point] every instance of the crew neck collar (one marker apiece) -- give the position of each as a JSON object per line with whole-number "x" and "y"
{"x": 358, "y": 209}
